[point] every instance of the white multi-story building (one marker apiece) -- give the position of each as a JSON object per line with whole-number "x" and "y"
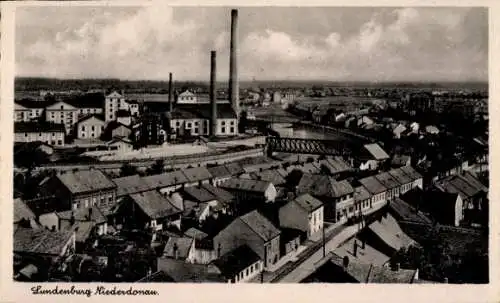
{"x": 62, "y": 113}
{"x": 112, "y": 103}
{"x": 90, "y": 127}
{"x": 50, "y": 133}
{"x": 305, "y": 213}
{"x": 25, "y": 110}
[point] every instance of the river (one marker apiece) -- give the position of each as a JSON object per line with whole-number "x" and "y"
{"x": 288, "y": 131}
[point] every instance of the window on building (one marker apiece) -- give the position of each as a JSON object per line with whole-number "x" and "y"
{"x": 93, "y": 128}
{"x": 257, "y": 266}
{"x": 223, "y": 130}
{"x": 247, "y": 272}
{"x": 196, "y": 130}
{"x": 111, "y": 116}
{"x": 25, "y": 134}
{"x": 92, "y": 135}
{"x": 62, "y": 107}
{"x": 196, "y": 123}
{"x": 178, "y": 123}
{"x": 83, "y": 135}
{"x": 188, "y": 125}
{"x": 232, "y": 122}
{"x": 59, "y": 142}
{"x": 223, "y": 123}
{"x": 40, "y": 134}
{"x": 83, "y": 128}
{"x": 231, "y": 130}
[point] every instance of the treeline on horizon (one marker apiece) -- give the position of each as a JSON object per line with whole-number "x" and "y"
{"x": 33, "y": 83}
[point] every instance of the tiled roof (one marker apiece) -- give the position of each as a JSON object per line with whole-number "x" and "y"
{"x": 411, "y": 172}
{"x": 175, "y": 177}
{"x": 373, "y": 185}
{"x": 195, "y": 234}
{"x": 260, "y": 225}
{"x": 22, "y": 211}
{"x": 234, "y": 168}
{"x": 198, "y": 194}
{"x": 337, "y": 164}
{"x": 357, "y": 270}
{"x": 130, "y": 185}
{"x": 321, "y": 185}
{"x": 85, "y": 181}
{"x": 154, "y": 204}
{"x": 196, "y": 174}
{"x": 31, "y": 103}
{"x": 222, "y": 195}
{"x": 387, "y": 275}
{"x": 233, "y": 262}
{"x": 405, "y": 212}
{"x": 376, "y": 151}
{"x": 387, "y": 180}
{"x": 389, "y": 231}
{"x": 270, "y": 175}
{"x": 308, "y": 202}
{"x": 82, "y": 214}
{"x": 400, "y": 176}
{"x": 246, "y": 185}
{"x": 400, "y": 160}
{"x": 183, "y": 247}
{"x": 40, "y": 241}
{"x": 180, "y": 271}
{"x": 99, "y": 117}
{"x": 83, "y": 230}
{"x": 224, "y": 111}
{"x": 219, "y": 171}
{"x": 361, "y": 194}
{"x": 465, "y": 186}
{"x": 367, "y": 255}
{"x": 36, "y": 127}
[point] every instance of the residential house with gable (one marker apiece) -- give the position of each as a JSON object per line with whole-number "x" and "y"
{"x": 304, "y": 213}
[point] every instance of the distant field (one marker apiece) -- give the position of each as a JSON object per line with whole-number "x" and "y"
{"x": 336, "y": 100}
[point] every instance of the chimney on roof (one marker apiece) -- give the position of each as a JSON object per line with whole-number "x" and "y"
{"x": 213, "y": 99}
{"x": 233, "y": 64}
{"x": 355, "y": 248}
{"x": 170, "y": 93}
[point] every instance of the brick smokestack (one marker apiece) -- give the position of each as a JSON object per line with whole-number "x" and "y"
{"x": 213, "y": 99}
{"x": 234, "y": 90}
{"x": 170, "y": 101}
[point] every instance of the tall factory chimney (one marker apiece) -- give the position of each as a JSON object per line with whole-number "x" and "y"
{"x": 213, "y": 99}
{"x": 170, "y": 101}
{"x": 234, "y": 89}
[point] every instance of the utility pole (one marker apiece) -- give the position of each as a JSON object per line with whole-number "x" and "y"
{"x": 324, "y": 242}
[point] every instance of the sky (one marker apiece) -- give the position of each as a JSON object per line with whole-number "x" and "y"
{"x": 275, "y": 43}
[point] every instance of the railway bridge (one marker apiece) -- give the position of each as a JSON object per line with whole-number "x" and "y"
{"x": 310, "y": 146}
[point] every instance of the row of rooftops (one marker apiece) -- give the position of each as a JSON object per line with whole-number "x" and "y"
{"x": 388, "y": 180}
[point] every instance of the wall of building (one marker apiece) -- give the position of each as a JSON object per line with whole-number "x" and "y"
{"x": 99, "y": 198}
{"x": 227, "y": 127}
{"x": 249, "y": 273}
{"x": 51, "y": 138}
{"x": 62, "y": 113}
{"x": 91, "y": 128}
{"x": 26, "y": 114}
{"x": 112, "y": 104}
{"x": 270, "y": 193}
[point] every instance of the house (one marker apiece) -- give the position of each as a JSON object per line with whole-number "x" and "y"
{"x": 82, "y": 189}
{"x": 337, "y": 269}
{"x": 254, "y": 230}
{"x": 376, "y": 189}
{"x": 206, "y": 200}
{"x": 166, "y": 183}
{"x": 23, "y": 215}
{"x": 68, "y": 220}
{"x": 407, "y": 177}
{"x": 362, "y": 199}
{"x": 415, "y": 127}
{"x": 400, "y": 160}
{"x": 90, "y": 127}
{"x": 219, "y": 174}
{"x": 250, "y": 190}
{"x": 386, "y": 236}
{"x": 403, "y": 211}
{"x": 357, "y": 250}
{"x": 149, "y": 210}
{"x": 446, "y": 208}
{"x": 41, "y": 248}
{"x": 179, "y": 248}
{"x": 337, "y": 196}
{"x": 120, "y": 144}
{"x": 179, "y": 271}
{"x": 398, "y": 130}
{"x": 50, "y": 133}
{"x": 130, "y": 185}
{"x": 304, "y": 213}
{"x": 365, "y": 120}
{"x": 270, "y": 175}
{"x": 372, "y": 155}
{"x": 224, "y": 198}
{"x": 431, "y": 129}
{"x": 390, "y": 183}
{"x": 193, "y": 119}
{"x": 290, "y": 240}
{"x": 30, "y": 147}
{"x": 112, "y": 103}
{"x": 234, "y": 169}
{"x": 239, "y": 265}
{"x": 61, "y": 112}
{"x": 195, "y": 234}
{"x": 27, "y": 110}
{"x": 337, "y": 165}
{"x": 196, "y": 176}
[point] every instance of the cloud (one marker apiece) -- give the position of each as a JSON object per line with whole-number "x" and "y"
{"x": 148, "y": 42}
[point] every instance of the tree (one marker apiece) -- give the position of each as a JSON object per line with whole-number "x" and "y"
{"x": 157, "y": 168}
{"x": 128, "y": 170}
